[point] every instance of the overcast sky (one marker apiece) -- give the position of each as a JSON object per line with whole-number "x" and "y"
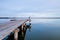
{"x": 31, "y": 8}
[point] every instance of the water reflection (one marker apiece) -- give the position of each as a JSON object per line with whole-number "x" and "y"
{"x": 21, "y": 33}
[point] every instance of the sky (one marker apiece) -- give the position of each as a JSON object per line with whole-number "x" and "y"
{"x": 33, "y": 8}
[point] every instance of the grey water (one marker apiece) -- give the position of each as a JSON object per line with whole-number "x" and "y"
{"x": 42, "y": 29}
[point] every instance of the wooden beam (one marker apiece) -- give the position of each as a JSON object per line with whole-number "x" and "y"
{"x": 16, "y": 34}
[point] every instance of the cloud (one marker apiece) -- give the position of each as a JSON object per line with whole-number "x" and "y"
{"x": 31, "y": 4}
{"x": 37, "y": 15}
{"x": 29, "y": 7}
{"x": 41, "y": 15}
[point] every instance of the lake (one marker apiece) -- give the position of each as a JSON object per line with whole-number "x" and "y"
{"x": 44, "y": 29}
{"x": 41, "y": 29}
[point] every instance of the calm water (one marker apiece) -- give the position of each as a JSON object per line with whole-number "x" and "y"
{"x": 42, "y": 29}
{"x": 43, "y": 32}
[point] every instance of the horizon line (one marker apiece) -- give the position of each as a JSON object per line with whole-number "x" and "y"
{"x": 30, "y": 17}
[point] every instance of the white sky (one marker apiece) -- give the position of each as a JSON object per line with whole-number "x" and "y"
{"x": 30, "y": 8}
{"x": 33, "y": 8}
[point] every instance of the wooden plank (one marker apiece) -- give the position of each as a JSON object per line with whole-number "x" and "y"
{"x": 7, "y": 28}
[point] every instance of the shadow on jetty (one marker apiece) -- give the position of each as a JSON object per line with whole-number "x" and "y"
{"x": 21, "y": 33}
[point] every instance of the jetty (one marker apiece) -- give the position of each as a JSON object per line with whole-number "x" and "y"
{"x": 12, "y": 26}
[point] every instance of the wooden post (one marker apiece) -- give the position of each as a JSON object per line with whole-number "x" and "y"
{"x": 22, "y": 33}
{"x": 16, "y": 34}
{"x": 25, "y": 24}
{"x": 22, "y": 27}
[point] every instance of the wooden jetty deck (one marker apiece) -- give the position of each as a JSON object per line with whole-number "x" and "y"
{"x": 11, "y": 26}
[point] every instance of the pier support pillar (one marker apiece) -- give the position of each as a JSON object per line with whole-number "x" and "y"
{"x": 22, "y": 27}
{"x": 25, "y": 24}
{"x": 16, "y": 34}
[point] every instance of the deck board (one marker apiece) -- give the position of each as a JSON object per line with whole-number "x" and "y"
{"x": 8, "y": 27}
